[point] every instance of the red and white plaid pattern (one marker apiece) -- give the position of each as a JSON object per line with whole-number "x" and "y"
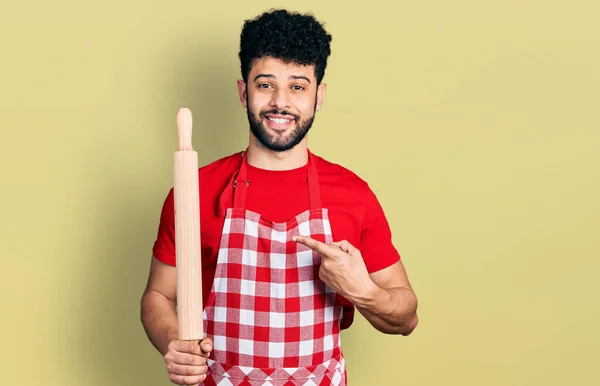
{"x": 332, "y": 372}
{"x": 271, "y": 319}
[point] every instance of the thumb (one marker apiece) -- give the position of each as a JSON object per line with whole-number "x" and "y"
{"x": 206, "y": 345}
{"x": 345, "y": 246}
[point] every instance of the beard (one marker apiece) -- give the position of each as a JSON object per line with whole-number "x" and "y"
{"x": 279, "y": 143}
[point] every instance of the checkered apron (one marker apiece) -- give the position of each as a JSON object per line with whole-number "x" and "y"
{"x": 271, "y": 319}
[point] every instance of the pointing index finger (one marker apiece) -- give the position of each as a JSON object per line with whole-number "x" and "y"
{"x": 313, "y": 244}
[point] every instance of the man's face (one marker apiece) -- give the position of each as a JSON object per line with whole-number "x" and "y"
{"x": 281, "y": 101}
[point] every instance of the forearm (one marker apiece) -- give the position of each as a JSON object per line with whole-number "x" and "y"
{"x": 391, "y": 311}
{"x": 159, "y": 319}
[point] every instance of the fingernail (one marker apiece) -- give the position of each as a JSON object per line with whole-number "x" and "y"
{"x": 294, "y": 238}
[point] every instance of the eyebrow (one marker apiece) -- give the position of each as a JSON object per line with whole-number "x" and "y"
{"x": 273, "y": 76}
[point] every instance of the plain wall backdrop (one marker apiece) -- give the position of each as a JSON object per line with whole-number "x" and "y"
{"x": 476, "y": 123}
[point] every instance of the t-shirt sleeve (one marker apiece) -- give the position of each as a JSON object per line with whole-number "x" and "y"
{"x": 164, "y": 246}
{"x": 376, "y": 244}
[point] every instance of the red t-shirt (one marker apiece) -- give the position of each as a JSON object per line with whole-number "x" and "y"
{"x": 354, "y": 212}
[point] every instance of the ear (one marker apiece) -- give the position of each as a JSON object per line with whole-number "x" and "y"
{"x": 320, "y": 95}
{"x": 241, "y": 86}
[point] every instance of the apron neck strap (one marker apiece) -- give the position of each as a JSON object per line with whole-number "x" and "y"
{"x": 241, "y": 184}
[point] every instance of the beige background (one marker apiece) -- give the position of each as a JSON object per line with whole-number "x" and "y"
{"x": 475, "y": 122}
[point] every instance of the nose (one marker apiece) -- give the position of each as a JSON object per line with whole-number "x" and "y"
{"x": 279, "y": 99}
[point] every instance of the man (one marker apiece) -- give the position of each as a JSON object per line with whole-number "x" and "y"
{"x": 292, "y": 244}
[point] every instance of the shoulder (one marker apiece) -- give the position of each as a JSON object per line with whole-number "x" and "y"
{"x": 224, "y": 165}
{"x": 213, "y": 180}
{"x": 216, "y": 174}
{"x": 348, "y": 193}
{"x": 335, "y": 174}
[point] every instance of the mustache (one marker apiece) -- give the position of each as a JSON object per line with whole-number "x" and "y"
{"x": 281, "y": 112}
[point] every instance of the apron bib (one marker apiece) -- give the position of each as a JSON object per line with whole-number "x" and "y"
{"x": 271, "y": 319}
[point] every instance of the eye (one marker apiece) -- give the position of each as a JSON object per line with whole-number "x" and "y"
{"x": 264, "y": 85}
{"x": 297, "y": 87}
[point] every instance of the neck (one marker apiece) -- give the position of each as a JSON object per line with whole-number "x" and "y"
{"x": 263, "y": 158}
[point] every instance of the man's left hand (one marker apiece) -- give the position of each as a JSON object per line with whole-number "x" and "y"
{"x": 342, "y": 267}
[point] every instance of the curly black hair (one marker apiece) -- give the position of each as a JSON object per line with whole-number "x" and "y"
{"x": 288, "y": 36}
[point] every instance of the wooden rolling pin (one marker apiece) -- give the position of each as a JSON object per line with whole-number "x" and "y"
{"x": 187, "y": 232}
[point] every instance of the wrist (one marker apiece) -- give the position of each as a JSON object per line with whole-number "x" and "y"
{"x": 172, "y": 334}
{"x": 370, "y": 296}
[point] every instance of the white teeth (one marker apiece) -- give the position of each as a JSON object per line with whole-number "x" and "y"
{"x": 279, "y": 121}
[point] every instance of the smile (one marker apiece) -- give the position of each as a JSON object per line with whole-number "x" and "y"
{"x": 280, "y": 121}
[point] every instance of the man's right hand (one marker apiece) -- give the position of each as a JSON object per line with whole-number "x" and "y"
{"x": 186, "y": 361}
